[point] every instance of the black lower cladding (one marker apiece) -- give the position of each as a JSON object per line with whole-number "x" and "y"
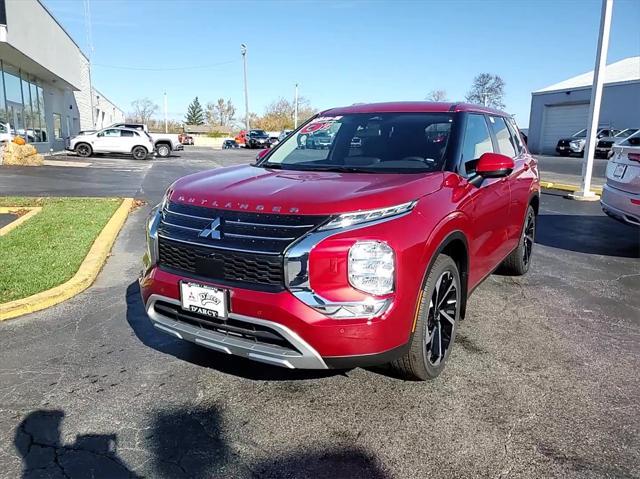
{"x": 228, "y": 326}
{"x": 247, "y": 270}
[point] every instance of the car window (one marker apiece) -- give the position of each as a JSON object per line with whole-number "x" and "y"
{"x": 111, "y": 132}
{"x": 477, "y": 141}
{"x": 126, "y": 133}
{"x": 506, "y": 144}
{"x": 516, "y": 135}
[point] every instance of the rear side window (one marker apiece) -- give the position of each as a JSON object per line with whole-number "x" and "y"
{"x": 477, "y": 141}
{"x": 126, "y": 133}
{"x": 506, "y": 143}
{"x": 515, "y": 133}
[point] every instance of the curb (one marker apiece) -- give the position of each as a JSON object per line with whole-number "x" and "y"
{"x": 33, "y": 210}
{"x": 566, "y": 187}
{"x": 84, "y": 277}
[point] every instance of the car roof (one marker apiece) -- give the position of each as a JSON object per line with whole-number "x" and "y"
{"x": 412, "y": 107}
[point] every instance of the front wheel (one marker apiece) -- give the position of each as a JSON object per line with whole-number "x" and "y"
{"x": 435, "y": 324}
{"x": 139, "y": 152}
{"x": 517, "y": 263}
{"x": 163, "y": 150}
{"x": 83, "y": 150}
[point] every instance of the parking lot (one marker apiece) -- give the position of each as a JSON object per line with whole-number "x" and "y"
{"x": 542, "y": 382}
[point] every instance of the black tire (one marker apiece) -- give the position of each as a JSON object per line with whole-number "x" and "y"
{"x": 435, "y": 328}
{"x": 139, "y": 152}
{"x": 163, "y": 150}
{"x": 83, "y": 149}
{"x": 518, "y": 262}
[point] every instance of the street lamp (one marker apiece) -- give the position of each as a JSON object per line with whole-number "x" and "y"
{"x": 295, "y": 108}
{"x": 243, "y": 51}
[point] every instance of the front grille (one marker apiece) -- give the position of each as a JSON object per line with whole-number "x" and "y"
{"x": 230, "y": 326}
{"x": 235, "y": 248}
{"x": 605, "y": 144}
{"x": 563, "y": 143}
{"x": 260, "y": 271}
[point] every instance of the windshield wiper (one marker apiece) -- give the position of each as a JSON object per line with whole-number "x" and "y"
{"x": 273, "y": 166}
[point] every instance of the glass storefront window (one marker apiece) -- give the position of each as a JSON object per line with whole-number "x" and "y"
{"x": 3, "y": 109}
{"x": 43, "y": 123}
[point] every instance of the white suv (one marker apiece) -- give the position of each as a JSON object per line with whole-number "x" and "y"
{"x": 113, "y": 140}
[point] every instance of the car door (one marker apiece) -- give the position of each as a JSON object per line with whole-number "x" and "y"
{"x": 128, "y": 139}
{"x": 106, "y": 141}
{"x": 491, "y": 201}
{"x": 509, "y": 143}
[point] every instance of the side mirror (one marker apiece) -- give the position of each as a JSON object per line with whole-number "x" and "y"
{"x": 492, "y": 165}
{"x": 261, "y": 154}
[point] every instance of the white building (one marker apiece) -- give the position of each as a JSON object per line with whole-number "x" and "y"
{"x": 561, "y": 109}
{"x": 45, "y": 81}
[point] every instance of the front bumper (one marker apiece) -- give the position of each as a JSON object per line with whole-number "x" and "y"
{"x": 620, "y": 205}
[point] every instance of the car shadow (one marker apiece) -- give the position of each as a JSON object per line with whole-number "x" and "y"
{"x": 38, "y": 441}
{"x": 191, "y": 443}
{"x": 200, "y": 356}
{"x": 588, "y": 234}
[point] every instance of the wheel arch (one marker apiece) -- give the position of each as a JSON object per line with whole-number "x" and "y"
{"x": 163, "y": 142}
{"x": 534, "y": 201}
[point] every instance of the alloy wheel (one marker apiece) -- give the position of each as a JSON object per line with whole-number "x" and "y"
{"x": 443, "y": 308}
{"x": 529, "y": 238}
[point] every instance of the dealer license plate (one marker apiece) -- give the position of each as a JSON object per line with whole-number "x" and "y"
{"x": 202, "y": 299}
{"x": 619, "y": 171}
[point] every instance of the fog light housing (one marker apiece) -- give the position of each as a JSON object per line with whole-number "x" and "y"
{"x": 372, "y": 267}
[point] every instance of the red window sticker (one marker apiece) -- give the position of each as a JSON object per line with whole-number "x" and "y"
{"x": 320, "y": 123}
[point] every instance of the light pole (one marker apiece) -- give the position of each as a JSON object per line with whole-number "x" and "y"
{"x": 243, "y": 50}
{"x": 585, "y": 192}
{"x": 295, "y": 108}
{"x": 166, "y": 127}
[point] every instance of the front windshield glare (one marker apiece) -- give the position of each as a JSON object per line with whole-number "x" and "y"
{"x": 371, "y": 142}
{"x": 580, "y": 134}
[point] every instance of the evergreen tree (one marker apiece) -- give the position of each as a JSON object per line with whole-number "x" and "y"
{"x": 195, "y": 113}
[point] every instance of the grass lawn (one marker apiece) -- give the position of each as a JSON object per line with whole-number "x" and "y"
{"x": 48, "y": 249}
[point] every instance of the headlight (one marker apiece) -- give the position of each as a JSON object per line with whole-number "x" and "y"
{"x": 348, "y": 219}
{"x": 372, "y": 267}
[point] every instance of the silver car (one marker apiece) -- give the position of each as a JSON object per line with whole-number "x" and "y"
{"x": 621, "y": 193}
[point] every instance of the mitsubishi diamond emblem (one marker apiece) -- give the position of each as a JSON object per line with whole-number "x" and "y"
{"x": 212, "y": 231}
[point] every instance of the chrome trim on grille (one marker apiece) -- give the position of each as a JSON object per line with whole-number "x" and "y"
{"x": 165, "y": 222}
{"x": 267, "y": 225}
{"x": 167, "y": 210}
{"x": 306, "y": 358}
{"x": 215, "y": 246}
{"x": 236, "y": 235}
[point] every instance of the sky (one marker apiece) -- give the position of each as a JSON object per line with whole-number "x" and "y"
{"x": 339, "y": 52}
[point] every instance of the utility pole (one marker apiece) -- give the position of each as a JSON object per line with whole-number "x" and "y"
{"x": 243, "y": 50}
{"x": 166, "y": 127}
{"x": 295, "y": 108}
{"x": 585, "y": 193}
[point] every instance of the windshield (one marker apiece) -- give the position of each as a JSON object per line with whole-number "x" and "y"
{"x": 257, "y": 133}
{"x": 626, "y": 133}
{"x": 367, "y": 143}
{"x": 580, "y": 134}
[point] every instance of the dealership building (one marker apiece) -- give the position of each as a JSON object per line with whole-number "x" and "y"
{"x": 46, "y": 93}
{"x": 562, "y": 109}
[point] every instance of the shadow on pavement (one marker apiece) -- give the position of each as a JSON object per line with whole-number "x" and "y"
{"x": 190, "y": 443}
{"x": 186, "y": 351}
{"x": 38, "y": 441}
{"x": 588, "y": 234}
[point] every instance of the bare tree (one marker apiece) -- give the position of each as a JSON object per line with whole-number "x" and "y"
{"x": 437, "y": 95}
{"x": 221, "y": 113}
{"x": 143, "y": 110}
{"x": 487, "y": 90}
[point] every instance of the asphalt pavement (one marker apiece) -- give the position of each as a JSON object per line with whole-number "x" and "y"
{"x": 563, "y": 169}
{"x": 542, "y": 381}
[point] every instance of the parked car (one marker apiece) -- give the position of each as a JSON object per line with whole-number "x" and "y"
{"x": 113, "y": 140}
{"x": 185, "y": 139}
{"x": 603, "y": 148}
{"x": 164, "y": 143}
{"x": 229, "y": 144}
{"x": 319, "y": 140}
{"x": 575, "y": 145}
{"x": 281, "y": 136}
{"x": 314, "y": 260}
{"x": 6, "y": 134}
{"x": 257, "y": 139}
{"x": 621, "y": 193}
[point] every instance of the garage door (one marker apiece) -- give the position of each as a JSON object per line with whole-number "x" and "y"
{"x": 561, "y": 122}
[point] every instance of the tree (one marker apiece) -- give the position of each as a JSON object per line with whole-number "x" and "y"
{"x": 487, "y": 90}
{"x": 143, "y": 110}
{"x": 437, "y": 95}
{"x": 195, "y": 113}
{"x": 279, "y": 114}
{"x": 221, "y": 113}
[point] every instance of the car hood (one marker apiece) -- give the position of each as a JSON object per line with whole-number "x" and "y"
{"x": 254, "y": 189}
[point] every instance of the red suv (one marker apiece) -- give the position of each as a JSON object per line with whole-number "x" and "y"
{"x": 359, "y": 254}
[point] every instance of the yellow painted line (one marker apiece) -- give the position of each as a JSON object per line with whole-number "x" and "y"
{"x": 84, "y": 277}
{"x": 33, "y": 210}
{"x": 567, "y": 187}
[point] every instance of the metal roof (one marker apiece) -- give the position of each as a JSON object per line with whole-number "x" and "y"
{"x": 410, "y": 107}
{"x": 619, "y": 72}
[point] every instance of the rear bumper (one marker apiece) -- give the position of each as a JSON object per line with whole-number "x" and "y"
{"x": 316, "y": 341}
{"x": 621, "y": 205}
